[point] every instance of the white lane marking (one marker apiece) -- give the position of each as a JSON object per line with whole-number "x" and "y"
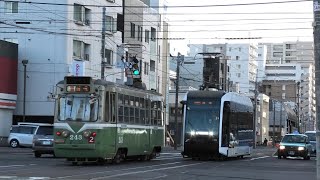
{"x": 62, "y": 177}
{"x": 258, "y": 158}
{"x": 151, "y": 170}
{"x": 26, "y": 178}
{"x": 158, "y": 177}
{"x": 12, "y": 166}
{"x": 166, "y": 158}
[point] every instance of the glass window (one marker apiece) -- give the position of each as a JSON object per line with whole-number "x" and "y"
{"x": 11, "y": 7}
{"x": 133, "y": 30}
{"x": 120, "y": 98}
{"x": 78, "y": 108}
{"x": 137, "y": 116}
{"x": 120, "y": 114}
{"x": 153, "y": 34}
{"x": 26, "y": 130}
{"x": 131, "y": 115}
{"x": 126, "y": 100}
{"x": 45, "y": 130}
{"x": 78, "y": 12}
{"x": 109, "y": 56}
{"x": 147, "y": 36}
{"x": 14, "y": 129}
{"x": 126, "y": 114}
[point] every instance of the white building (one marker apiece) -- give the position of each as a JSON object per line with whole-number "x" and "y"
{"x": 242, "y": 63}
{"x": 60, "y": 40}
{"x": 261, "y": 61}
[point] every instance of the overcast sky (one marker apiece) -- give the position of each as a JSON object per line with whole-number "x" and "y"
{"x": 293, "y": 21}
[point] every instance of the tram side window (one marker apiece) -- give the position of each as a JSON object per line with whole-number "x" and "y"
{"x": 107, "y": 107}
{"x": 148, "y": 102}
{"x": 159, "y": 115}
{"x": 120, "y": 108}
{"x": 113, "y": 107}
{"x": 126, "y": 99}
{"x": 137, "y": 115}
{"x": 225, "y": 124}
{"x": 126, "y": 114}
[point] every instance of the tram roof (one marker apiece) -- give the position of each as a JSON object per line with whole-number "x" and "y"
{"x": 205, "y": 94}
{"x": 109, "y": 83}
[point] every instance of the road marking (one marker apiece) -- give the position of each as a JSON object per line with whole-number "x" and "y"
{"x": 158, "y": 177}
{"x": 149, "y": 166}
{"x": 12, "y": 166}
{"x": 170, "y": 154}
{"x": 258, "y": 158}
{"x": 151, "y": 170}
{"x": 28, "y": 178}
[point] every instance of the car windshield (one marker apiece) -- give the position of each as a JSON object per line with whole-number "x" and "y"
{"x": 293, "y": 139}
{"x": 78, "y": 108}
{"x": 312, "y": 136}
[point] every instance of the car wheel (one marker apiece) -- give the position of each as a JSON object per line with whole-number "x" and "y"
{"x": 279, "y": 157}
{"x": 14, "y": 143}
{"x": 37, "y": 154}
{"x": 307, "y": 156}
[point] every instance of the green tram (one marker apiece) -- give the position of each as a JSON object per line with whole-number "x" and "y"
{"x": 100, "y": 121}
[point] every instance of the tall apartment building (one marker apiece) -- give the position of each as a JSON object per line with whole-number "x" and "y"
{"x": 59, "y": 40}
{"x": 301, "y": 53}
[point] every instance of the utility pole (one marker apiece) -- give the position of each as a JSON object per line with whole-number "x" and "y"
{"x": 274, "y": 122}
{"x": 298, "y": 105}
{"x": 255, "y": 113}
{"x": 280, "y": 118}
{"x": 103, "y": 41}
{"x": 24, "y": 62}
{"x": 176, "y": 105}
{"x": 316, "y": 36}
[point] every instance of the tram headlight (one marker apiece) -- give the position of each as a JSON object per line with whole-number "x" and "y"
{"x": 192, "y": 133}
{"x": 86, "y": 134}
{"x": 65, "y": 133}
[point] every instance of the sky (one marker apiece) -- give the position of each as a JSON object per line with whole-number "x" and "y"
{"x": 291, "y": 21}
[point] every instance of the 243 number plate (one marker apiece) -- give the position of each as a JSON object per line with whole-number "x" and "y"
{"x": 75, "y": 137}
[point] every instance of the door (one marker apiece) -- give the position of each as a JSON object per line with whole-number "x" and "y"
{"x": 26, "y": 134}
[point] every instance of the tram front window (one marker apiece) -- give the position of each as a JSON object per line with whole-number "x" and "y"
{"x": 78, "y": 108}
{"x": 200, "y": 122}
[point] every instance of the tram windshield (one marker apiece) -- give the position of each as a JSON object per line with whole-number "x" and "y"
{"x": 202, "y": 122}
{"x": 78, "y": 108}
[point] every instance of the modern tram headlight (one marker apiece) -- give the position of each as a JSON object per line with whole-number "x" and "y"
{"x": 282, "y": 147}
{"x": 300, "y": 148}
{"x": 192, "y": 133}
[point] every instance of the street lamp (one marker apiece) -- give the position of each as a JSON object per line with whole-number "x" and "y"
{"x": 24, "y": 62}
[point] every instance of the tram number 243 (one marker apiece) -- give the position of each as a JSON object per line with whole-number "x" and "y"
{"x": 75, "y": 137}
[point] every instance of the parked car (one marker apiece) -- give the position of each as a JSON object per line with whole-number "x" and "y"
{"x": 23, "y": 133}
{"x": 312, "y": 139}
{"x": 295, "y": 145}
{"x": 43, "y": 141}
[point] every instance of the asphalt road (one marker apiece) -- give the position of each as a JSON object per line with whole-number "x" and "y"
{"x": 21, "y": 165}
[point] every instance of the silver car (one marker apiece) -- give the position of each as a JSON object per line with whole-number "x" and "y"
{"x": 43, "y": 141}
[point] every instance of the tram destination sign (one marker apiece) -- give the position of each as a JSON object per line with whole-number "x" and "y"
{"x": 77, "y": 80}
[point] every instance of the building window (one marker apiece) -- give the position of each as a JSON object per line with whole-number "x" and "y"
{"x": 81, "y": 14}
{"x": 239, "y": 49}
{"x": 140, "y": 33}
{"x": 152, "y": 66}
{"x": 237, "y": 57}
{"x": 283, "y": 95}
{"x": 153, "y": 34}
{"x": 283, "y": 87}
{"x": 238, "y": 75}
{"x": 109, "y": 56}
{"x": 239, "y": 66}
{"x": 259, "y": 55}
{"x": 147, "y": 36}
{"x": 11, "y": 7}
{"x": 133, "y": 30}
{"x": 81, "y": 50}
{"x": 111, "y": 24}
{"x": 146, "y": 68}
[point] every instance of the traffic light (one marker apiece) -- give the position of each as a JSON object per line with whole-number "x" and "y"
{"x": 135, "y": 69}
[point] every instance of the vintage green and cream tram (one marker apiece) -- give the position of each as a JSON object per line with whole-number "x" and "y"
{"x": 97, "y": 121}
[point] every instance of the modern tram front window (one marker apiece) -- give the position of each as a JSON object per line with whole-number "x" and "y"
{"x": 78, "y": 108}
{"x": 202, "y": 120}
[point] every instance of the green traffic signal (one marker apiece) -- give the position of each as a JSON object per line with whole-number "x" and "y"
{"x": 136, "y": 72}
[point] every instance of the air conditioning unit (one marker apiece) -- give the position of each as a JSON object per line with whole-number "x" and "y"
{"x": 86, "y": 57}
{"x": 87, "y": 22}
